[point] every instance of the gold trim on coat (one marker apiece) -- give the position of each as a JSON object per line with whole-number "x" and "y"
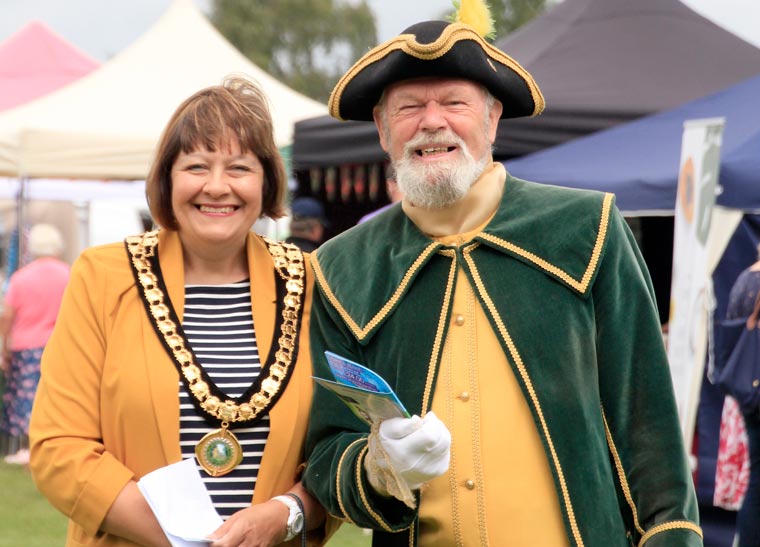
{"x": 491, "y": 307}
{"x": 339, "y": 478}
{"x": 434, "y": 354}
{"x": 663, "y": 527}
{"x": 672, "y": 525}
{"x": 621, "y": 475}
{"x": 363, "y": 495}
{"x": 581, "y": 285}
{"x": 361, "y": 332}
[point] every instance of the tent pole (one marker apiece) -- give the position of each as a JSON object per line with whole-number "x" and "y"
{"x": 83, "y": 209}
{"x": 21, "y": 210}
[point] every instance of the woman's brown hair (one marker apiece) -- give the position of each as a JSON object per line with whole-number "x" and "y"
{"x": 210, "y": 118}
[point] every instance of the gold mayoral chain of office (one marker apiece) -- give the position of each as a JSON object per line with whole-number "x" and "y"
{"x": 219, "y": 451}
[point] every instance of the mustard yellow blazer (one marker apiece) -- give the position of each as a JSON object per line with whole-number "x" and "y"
{"x": 107, "y": 406}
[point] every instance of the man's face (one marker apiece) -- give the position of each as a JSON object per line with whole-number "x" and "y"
{"x": 438, "y": 133}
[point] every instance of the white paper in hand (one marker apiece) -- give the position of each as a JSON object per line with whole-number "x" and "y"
{"x": 181, "y": 503}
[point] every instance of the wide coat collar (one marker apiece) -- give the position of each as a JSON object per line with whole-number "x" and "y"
{"x": 366, "y": 271}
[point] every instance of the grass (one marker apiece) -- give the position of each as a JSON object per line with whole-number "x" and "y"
{"x": 26, "y": 518}
{"x": 349, "y": 535}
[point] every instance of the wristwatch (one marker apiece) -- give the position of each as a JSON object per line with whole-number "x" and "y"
{"x": 295, "y": 516}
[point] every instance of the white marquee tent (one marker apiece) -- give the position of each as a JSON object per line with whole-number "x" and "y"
{"x": 106, "y": 124}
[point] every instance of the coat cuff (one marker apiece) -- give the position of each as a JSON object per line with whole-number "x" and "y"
{"x": 358, "y": 500}
{"x": 94, "y": 501}
{"x": 676, "y": 533}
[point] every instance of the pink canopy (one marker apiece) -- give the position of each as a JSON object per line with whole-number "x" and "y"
{"x": 35, "y": 61}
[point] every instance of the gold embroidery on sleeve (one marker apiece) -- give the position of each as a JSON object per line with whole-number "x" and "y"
{"x": 339, "y": 477}
{"x": 363, "y": 495}
{"x": 621, "y": 475}
{"x": 672, "y": 525}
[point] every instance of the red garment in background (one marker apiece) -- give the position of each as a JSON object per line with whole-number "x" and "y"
{"x": 732, "y": 469}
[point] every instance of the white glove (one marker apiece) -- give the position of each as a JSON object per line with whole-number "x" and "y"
{"x": 404, "y": 453}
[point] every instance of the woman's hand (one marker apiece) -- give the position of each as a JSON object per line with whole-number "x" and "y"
{"x": 261, "y": 525}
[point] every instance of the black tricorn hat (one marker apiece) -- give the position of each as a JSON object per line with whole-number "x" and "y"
{"x": 435, "y": 49}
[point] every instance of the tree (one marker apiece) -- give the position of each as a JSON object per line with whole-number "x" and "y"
{"x": 509, "y": 15}
{"x": 306, "y": 44}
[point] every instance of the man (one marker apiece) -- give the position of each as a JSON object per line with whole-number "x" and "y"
{"x": 307, "y": 224}
{"x": 518, "y": 317}
{"x": 391, "y": 190}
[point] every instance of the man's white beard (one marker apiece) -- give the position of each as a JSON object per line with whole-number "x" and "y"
{"x": 437, "y": 184}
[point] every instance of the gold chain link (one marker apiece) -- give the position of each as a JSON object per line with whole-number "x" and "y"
{"x": 289, "y": 264}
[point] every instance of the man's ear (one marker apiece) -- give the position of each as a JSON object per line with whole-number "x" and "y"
{"x": 377, "y": 115}
{"x": 493, "y": 117}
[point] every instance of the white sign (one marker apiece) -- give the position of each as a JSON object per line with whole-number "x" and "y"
{"x": 691, "y": 289}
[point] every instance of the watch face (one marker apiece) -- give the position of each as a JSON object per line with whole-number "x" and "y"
{"x": 298, "y": 523}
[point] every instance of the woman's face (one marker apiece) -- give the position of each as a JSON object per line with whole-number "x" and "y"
{"x": 216, "y": 196}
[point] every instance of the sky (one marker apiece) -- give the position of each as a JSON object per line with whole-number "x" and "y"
{"x": 102, "y": 28}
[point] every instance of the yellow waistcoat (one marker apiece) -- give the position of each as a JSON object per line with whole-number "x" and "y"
{"x": 499, "y": 488}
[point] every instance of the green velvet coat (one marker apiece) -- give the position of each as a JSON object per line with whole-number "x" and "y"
{"x": 567, "y": 293}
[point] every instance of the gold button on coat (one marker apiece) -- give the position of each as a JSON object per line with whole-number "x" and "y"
{"x": 469, "y": 484}
{"x": 459, "y": 320}
{"x": 464, "y": 396}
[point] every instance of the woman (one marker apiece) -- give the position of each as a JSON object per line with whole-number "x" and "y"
{"x": 29, "y": 312}
{"x": 741, "y": 302}
{"x": 203, "y": 304}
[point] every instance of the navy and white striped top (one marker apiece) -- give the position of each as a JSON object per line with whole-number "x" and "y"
{"x": 218, "y": 325}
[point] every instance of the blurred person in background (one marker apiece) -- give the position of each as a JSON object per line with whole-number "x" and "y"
{"x": 307, "y": 226}
{"x": 187, "y": 342}
{"x": 28, "y": 317}
{"x": 391, "y": 189}
{"x": 741, "y": 303}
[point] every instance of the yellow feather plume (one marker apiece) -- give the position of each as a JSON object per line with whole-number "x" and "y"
{"x": 477, "y": 14}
